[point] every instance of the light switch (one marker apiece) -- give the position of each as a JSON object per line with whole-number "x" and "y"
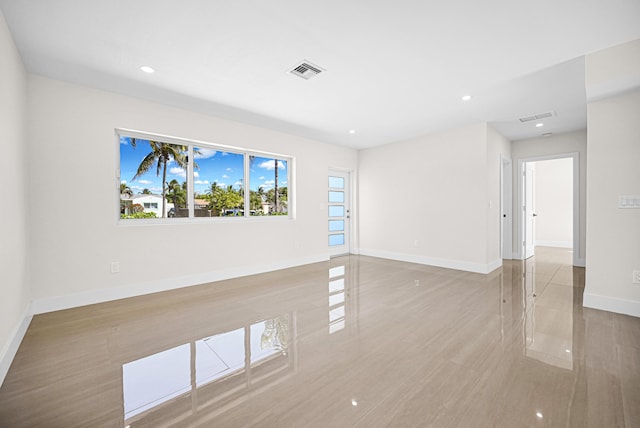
{"x": 627, "y": 201}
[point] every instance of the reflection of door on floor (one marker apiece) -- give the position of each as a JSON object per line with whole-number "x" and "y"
{"x": 339, "y": 213}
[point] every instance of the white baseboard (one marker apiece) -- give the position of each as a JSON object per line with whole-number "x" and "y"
{"x": 423, "y": 260}
{"x": 10, "y": 349}
{"x": 56, "y": 303}
{"x": 611, "y": 304}
{"x": 559, "y": 244}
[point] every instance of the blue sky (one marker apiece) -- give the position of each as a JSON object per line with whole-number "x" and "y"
{"x": 225, "y": 168}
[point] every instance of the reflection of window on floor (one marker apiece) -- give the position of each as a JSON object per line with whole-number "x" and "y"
{"x": 336, "y": 299}
{"x": 224, "y": 365}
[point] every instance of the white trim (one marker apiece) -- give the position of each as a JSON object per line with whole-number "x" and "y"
{"x": 560, "y": 244}
{"x": 56, "y": 303}
{"x": 430, "y": 261}
{"x": 10, "y": 349}
{"x": 518, "y": 252}
{"x": 611, "y": 304}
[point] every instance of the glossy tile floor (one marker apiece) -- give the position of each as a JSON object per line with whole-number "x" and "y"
{"x": 356, "y": 341}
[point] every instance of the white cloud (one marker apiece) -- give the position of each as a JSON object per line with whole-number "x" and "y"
{"x": 267, "y": 185}
{"x": 201, "y": 182}
{"x": 225, "y": 176}
{"x": 204, "y": 153}
{"x": 176, "y": 170}
{"x": 262, "y": 178}
{"x": 225, "y": 154}
{"x": 123, "y": 181}
{"x": 145, "y": 181}
{"x": 229, "y": 169}
{"x": 196, "y": 174}
{"x": 238, "y": 183}
{"x": 270, "y": 165}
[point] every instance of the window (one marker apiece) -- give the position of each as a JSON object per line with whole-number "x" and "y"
{"x": 268, "y": 186}
{"x": 162, "y": 177}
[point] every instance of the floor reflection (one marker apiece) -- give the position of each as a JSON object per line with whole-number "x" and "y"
{"x": 355, "y": 341}
{"x": 547, "y": 307}
{"x": 193, "y": 378}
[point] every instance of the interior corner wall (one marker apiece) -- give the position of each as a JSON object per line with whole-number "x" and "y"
{"x": 424, "y": 200}
{"x": 497, "y": 148}
{"x": 613, "y": 248}
{"x": 76, "y": 235}
{"x": 570, "y": 142}
{"x": 16, "y": 294}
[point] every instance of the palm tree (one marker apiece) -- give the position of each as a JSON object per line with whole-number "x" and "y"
{"x": 127, "y": 193}
{"x": 161, "y": 154}
{"x": 177, "y": 193}
{"x": 146, "y": 191}
{"x": 125, "y": 190}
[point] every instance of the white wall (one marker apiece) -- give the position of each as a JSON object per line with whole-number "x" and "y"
{"x": 426, "y": 200}
{"x": 13, "y": 214}
{"x": 614, "y": 155}
{"x": 72, "y": 146}
{"x": 570, "y": 142}
{"x": 554, "y": 203}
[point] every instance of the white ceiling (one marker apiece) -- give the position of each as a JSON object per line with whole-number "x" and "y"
{"x": 394, "y": 69}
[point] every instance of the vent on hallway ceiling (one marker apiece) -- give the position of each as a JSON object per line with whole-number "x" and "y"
{"x": 306, "y": 70}
{"x": 538, "y": 116}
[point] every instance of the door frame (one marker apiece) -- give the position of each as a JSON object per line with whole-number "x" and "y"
{"x": 506, "y": 208}
{"x": 519, "y": 254}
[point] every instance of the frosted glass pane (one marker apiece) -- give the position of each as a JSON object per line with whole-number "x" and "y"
{"x": 336, "y": 239}
{"x": 336, "y": 196}
{"x": 336, "y": 225}
{"x": 336, "y": 211}
{"x": 336, "y": 182}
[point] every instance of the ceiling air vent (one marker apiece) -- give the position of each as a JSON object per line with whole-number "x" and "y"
{"x": 306, "y": 70}
{"x": 538, "y": 116}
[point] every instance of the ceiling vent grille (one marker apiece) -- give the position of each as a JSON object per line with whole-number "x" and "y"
{"x": 306, "y": 70}
{"x": 538, "y": 116}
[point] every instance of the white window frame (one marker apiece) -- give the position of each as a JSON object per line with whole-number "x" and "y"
{"x": 123, "y": 132}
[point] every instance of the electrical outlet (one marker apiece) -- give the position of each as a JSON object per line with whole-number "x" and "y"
{"x": 115, "y": 267}
{"x": 636, "y": 277}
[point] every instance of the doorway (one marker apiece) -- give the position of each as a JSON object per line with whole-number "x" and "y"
{"x": 339, "y": 213}
{"x": 538, "y": 228}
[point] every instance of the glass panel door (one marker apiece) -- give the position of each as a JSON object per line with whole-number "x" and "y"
{"x": 338, "y": 213}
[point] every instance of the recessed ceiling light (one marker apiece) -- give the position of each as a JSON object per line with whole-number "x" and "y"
{"x": 538, "y": 414}
{"x": 466, "y": 97}
{"x": 147, "y": 69}
{"x": 568, "y": 351}
{"x": 354, "y": 403}
{"x": 352, "y": 131}
{"x": 539, "y": 125}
